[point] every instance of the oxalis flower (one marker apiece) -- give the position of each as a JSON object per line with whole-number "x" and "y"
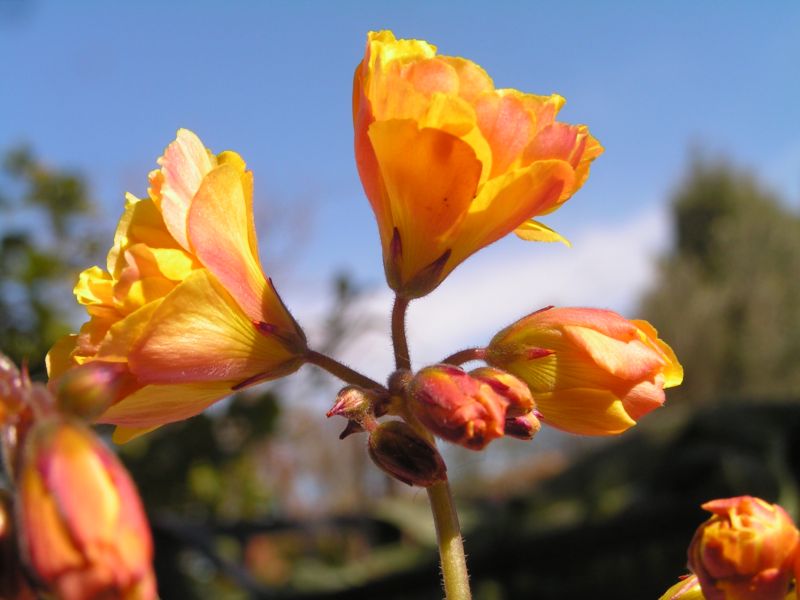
{"x": 591, "y": 371}
{"x": 183, "y": 302}
{"x": 451, "y": 164}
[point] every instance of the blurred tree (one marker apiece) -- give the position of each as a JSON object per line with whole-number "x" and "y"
{"x": 44, "y": 242}
{"x": 728, "y": 295}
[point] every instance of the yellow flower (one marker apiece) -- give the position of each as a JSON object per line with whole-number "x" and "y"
{"x": 83, "y": 527}
{"x": 591, "y": 371}
{"x": 183, "y": 301}
{"x": 451, "y": 164}
{"x": 746, "y": 551}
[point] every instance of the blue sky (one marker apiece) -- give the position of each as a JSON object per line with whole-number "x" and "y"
{"x": 102, "y": 87}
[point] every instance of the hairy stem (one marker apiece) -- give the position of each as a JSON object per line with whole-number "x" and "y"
{"x": 341, "y": 371}
{"x": 402, "y": 358}
{"x": 451, "y": 546}
{"x": 462, "y": 356}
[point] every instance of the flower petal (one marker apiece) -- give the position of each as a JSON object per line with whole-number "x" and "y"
{"x": 533, "y": 231}
{"x": 584, "y": 411}
{"x": 199, "y": 333}
{"x": 431, "y": 176}
{"x": 155, "y": 405}
{"x": 184, "y": 165}
{"x": 629, "y": 359}
{"x": 219, "y": 232}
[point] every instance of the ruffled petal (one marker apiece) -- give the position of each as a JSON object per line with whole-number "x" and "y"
{"x": 184, "y": 165}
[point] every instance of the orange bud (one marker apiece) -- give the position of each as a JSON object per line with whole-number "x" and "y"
{"x": 82, "y": 524}
{"x": 745, "y": 551}
{"x": 399, "y": 451}
{"x": 457, "y": 407}
{"x": 13, "y": 584}
{"x": 591, "y": 371}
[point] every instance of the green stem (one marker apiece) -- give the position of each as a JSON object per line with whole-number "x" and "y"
{"x": 341, "y": 371}
{"x": 445, "y": 517}
{"x": 451, "y": 546}
{"x": 402, "y": 358}
{"x": 467, "y": 355}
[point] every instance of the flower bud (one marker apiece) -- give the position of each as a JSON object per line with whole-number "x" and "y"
{"x": 457, "y": 407}
{"x": 83, "y": 527}
{"x": 13, "y": 584}
{"x": 591, "y": 371}
{"x": 523, "y": 427}
{"x": 688, "y": 588}
{"x": 86, "y": 391}
{"x": 15, "y": 389}
{"x": 358, "y": 406}
{"x": 399, "y": 451}
{"x": 745, "y": 551}
{"x": 518, "y": 394}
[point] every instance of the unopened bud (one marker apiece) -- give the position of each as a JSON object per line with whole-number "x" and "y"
{"x": 357, "y": 405}
{"x": 13, "y": 584}
{"x": 516, "y": 391}
{"x": 746, "y": 550}
{"x": 399, "y": 451}
{"x": 457, "y": 407}
{"x": 14, "y": 388}
{"x": 86, "y": 391}
{"x": 523, "y": 427}
{"x": 82, "y": 524}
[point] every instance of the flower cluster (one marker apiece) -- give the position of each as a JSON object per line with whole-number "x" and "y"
{"x": 183, "y": 314}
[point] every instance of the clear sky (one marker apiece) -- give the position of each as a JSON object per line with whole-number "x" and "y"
{"x": 103, "y": 86}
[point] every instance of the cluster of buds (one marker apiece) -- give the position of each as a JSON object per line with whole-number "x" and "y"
{"x": 80, "y": 530}
{"x": 582, "y": 370}
{"x": 747, "y": 550}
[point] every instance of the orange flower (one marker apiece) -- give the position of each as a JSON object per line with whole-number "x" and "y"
{"x": 745, "y": 551}
{"x": 82, "y": 524}
{"x": 591, "y": 371}
{"x": 450, "y": 164}
{"x": 184, "y": 302}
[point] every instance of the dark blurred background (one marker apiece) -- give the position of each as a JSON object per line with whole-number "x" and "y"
{"x": 694, "y": 226}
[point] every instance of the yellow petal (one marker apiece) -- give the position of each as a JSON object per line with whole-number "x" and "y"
{"x": 533, "y": 231}
{"x": 584, "y": 411}
{"x": 156, "y": 405}
{"x": 59, "y": 358}
{"x": 431, "y": 177}
{"x": 199, "y": 333}
{"x": 506, "y": 202}
{"x": 123, "y": 435}
{"x": 123, "y": 335}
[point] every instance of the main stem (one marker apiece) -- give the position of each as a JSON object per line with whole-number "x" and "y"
{"x": 451, "y": 545}
{"x": 445, "y": 517}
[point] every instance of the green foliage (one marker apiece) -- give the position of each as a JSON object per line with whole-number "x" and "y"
{"x": 43, "y": 244}
{"x": 728, "y": 296}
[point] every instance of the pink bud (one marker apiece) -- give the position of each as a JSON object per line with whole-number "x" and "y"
{"x": 458, "y": 407}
